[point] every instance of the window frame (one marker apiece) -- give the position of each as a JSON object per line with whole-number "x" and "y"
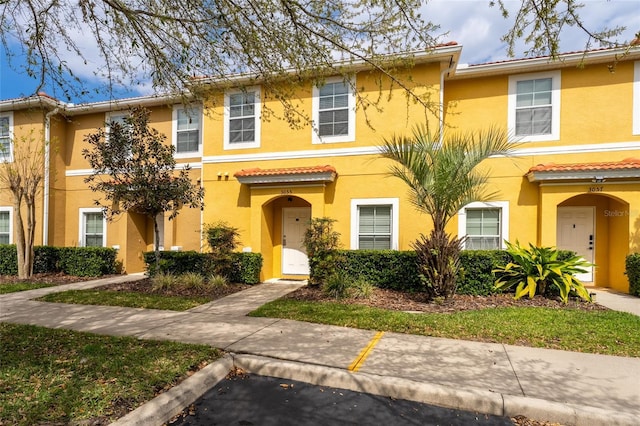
{"x": 351, "y": 110}
{"x": 194, "y": 109}
{"x": 83, "y": 212}
{"x": 556, "y": 85}
{"x": 257, "y": 108}
{"x": 503, "y": 206}
{"x": 355, "y": 218}
{"x": 4, "y": 158}
{"x": 636, "y": 98}
{"x": 10, "y": 211}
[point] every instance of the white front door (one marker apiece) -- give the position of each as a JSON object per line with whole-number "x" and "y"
{"x": 295, "y": 221}
{"x": 576, "y": 233}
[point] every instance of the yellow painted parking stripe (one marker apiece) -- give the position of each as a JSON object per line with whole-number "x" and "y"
{"x": 357, "y": 363}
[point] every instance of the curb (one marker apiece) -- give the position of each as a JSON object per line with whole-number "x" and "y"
{"x": 167, "y": 405}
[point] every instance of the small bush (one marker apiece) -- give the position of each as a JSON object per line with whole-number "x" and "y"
{"x": 163, "y": 281}
{"x": 8, "y": 259}
{"x": 361, "y": 289}
{"x": 46, "y": 259}
{"x": 246, "y": 268}
{"x": 175, "y": 262}
{"x": 337, "y": 285}
{"x": 632, "y": 270}
{"x": 192, "y": 280}
{"x": 88, "y": 261}
{"x": 217, "y": 281}
{"x": 321, "y": 243}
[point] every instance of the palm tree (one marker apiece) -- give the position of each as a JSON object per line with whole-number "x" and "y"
{"x": 443, "y": 176}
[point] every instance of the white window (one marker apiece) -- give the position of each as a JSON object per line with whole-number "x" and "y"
{"x": 334, "y": 115}
{"x": 187, "y": 131}
{"x": 484, "y": 224}
{"x": 636, "y": 98}
{"x": 6, "y": 132}
{"x": 534, "y": 106}
{"x": 93, "y": 228}
{"x": 242, "y": 118}
{"x": 374, "y": 223}
{"x": 6, "y": 225}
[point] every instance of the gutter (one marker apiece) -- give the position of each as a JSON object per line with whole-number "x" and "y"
{"x": 47, "y": 167}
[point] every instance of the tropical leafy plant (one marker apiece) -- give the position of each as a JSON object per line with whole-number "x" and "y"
{"x": 443, "y": 174}
{"x": 535, "y": 270}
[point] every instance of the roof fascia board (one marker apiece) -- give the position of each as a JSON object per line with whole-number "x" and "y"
{"x": 583, "y": 175}
{"x": 546, "y": 62}
{"x": 35, "y": 101}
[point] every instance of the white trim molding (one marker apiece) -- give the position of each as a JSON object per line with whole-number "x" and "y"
{"x": 10, "y": 210}
{"x": 257, "y": 118}
{"x": 555, "y": 77}
{"x": 636, "y": 98}
{"x": 82, "y": 212}
{"x": 350, "y": 83}
{"x": 504, "y": 218}
{"x": 395, "y": 218}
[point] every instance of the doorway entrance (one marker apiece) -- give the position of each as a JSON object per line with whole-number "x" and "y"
{"x": 295, "y": 221}
{"x": 576, "y": 232}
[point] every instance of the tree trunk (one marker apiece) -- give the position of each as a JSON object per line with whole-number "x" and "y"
{"x": 20, "y": 238}
{"x": 156, "y": 245}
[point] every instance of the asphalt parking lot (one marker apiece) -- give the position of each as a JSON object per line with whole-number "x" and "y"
{"x": 257, "y": 400}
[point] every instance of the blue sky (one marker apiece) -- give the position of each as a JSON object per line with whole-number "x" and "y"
{"x": 471, "y": 23}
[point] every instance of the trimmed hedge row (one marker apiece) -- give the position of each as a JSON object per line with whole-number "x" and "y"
{"x": 398, "y": 270}
{"x": 76, "y": 261}
{"x": 632, "y": 269}
{"x": 245, "y": 267}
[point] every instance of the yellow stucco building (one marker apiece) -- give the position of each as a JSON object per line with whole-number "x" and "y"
{"x": 573, "y": 180}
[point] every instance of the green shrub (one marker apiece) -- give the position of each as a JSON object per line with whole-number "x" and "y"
{"x": 632, "y": 270}
{"x": 246, "y": 268}
{"x": 87, "y": 261}
{"x": 46, "y": 259}
{"x": 223, "y": 240}
{"x": 192, "y": 280}
{"x": 476, "y": 277}
{"x": 337, "y": 285}
{"x": 8, "y": 259}
{"x": 321, "y": 243}
{"x": 536, "y": 269}
{"x": 361, "y": 289}
{"x": 163, "y": 281}
{"x": 175, "y": 262}
{"x": 396, "y": 270}
{"x": 218, "y": 281}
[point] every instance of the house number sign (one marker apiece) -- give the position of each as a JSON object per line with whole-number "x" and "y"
{"x": 596, "y": 188}
{"x": 286, "y": 191}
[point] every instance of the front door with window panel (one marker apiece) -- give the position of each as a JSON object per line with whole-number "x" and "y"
{"x": 294, "y": 256}
{"x": 576, "y": 233}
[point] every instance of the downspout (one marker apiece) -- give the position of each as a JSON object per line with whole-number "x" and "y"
{"x": 441, "y": 118}
{"x": 47, "y": 155}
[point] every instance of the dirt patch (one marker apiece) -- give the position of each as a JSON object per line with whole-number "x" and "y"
{"x": 146, "y": 286}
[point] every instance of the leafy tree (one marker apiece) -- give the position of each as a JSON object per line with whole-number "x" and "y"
{"x": 443, "y": 175}
{"x": 168, "y": 42}
{"x": 22, "y": 173}
{"x": 134, "y": 169}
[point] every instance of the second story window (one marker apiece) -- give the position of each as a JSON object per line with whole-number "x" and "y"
{"x": 242, "y": 119}
{"x": 187, "y": 130}
{"x": 334, "y": 111}
{"x": 534, "y": 106}
{"x": 6, "y": 124}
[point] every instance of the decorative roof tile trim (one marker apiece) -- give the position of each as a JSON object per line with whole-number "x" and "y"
{"x": 596, "y": 172}
{"x": 287, "y": 175}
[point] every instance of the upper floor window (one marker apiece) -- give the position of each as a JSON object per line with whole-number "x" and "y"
{"x": 5, "y": 225}
{"x": 334, "y": 111}
{"x": 484, "y": 224}
{"x": 242, "y": 118}
{"x": 93, "y": 228}
{"x": 6, "y": 130}
{"x": 534, "y": 106}
{"x": 187, "y": 131}
{"x": 636, "y": 98}
{"x": 374, "y": 223}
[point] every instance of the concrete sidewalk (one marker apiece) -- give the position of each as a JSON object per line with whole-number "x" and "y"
{"x": 565, "y": 387}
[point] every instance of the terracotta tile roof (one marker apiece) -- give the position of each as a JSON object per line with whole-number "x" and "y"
{"x": 285, "y": 171}
{"x": 629, "y": 163}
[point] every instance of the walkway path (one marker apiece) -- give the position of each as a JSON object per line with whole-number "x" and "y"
{"x": 566, "y": 387}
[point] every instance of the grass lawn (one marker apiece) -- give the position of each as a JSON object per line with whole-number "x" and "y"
{"x": 130, "y": 299}
{"x": 602, "y": 332}
{"x": 60, "y": 376}
{"x": 21, "y": 286}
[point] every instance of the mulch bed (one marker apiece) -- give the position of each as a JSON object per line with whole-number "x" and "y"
{"x": 145, "y": 286}
{"x": 418, "y": 302}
